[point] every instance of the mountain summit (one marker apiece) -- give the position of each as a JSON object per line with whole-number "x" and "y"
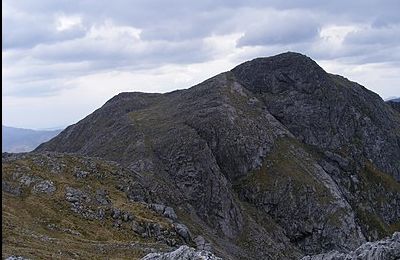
{"x": 275, "y": 159}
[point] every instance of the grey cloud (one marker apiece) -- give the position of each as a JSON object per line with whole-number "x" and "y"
{"x": 40, "y": 61}
{"x": 176, "y": 20}
{"x": 53, "y": 62}
{"x": 182, "y": 20}
{"x": 387, "y": 35}
{"x": 26, "y": 30}
{"x": 281, "y": 29}
{"x": 103, "y": 54}
{"x": 38, "y": 88}
{"x": 368, "y": 44}
{"x": 173, "y": 32}
{"x": 36, "y": 35}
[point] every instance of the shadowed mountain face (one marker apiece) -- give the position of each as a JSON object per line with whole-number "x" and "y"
{"x": 17, "y": 140}
{"x": 274, "y": 159}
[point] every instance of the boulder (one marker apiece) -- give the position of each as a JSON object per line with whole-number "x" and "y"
{"x": 45, "y": 186}
{"x": 183, "y": 231}
{"x": 102, "y": 197}
{"x": 202, "y": 244}
{"x": 182, "y": 253}
{"x": 170, "y": 213}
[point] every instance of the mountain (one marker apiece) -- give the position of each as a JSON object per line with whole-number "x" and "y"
{"x": 394, "y": 103}
{"x": 393, "y": 99}
{"x": 275, "y": 159}
{"x": 24, "y": 140}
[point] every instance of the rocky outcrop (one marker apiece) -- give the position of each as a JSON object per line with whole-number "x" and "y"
{"x": 388, "y": 249}
{"x": 165, "y": 211}
{"x": 45, "y": 186}
{"x": 13, "y": 257}
{"x": 202, "y": 244}
{"x": 182, "y": 253}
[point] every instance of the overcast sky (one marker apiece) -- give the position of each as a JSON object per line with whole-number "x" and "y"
{"x": 64, "y": 59}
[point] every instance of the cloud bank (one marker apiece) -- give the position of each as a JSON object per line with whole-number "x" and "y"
{"x": 62, "y": 59}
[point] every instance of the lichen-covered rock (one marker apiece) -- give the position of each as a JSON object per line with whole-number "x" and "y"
{"x": 183, "y": 231}
{"x": 159, "y": 208}
{"x": 182, "y": 253}
{"x": 75, "y": 195}
{"x": 13, "y": 257}
{"x": 170, "y": 213}
{"x": 45, "y": 186}
{"x": 126, "y": 216}
{"x": 102, "y": 197}
{"x": 81, "y": 174}
{"x": 115, "y": 213}
{"x": 202, "y": 244}
{"x": 27, "y": 180}
{"x": 138, "y": 228}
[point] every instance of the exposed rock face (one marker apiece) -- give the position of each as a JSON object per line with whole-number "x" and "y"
{"x": 319, "y": 214}
{"x": 182, "y": 253}
{"x": 388, "y": 249}
{"x": 274, "y": 159}
{"x": 325, "y": 110}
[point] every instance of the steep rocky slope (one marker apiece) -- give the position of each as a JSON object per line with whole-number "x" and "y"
{"x": 272, "y": 160}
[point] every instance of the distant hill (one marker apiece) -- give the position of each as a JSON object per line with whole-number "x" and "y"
{"x": 24, "y": 140}
{"x": 394, "y": 103}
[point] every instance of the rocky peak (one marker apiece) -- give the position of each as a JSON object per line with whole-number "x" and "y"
{"x": 281, "y": 73}
{"x": 325, "y": 110}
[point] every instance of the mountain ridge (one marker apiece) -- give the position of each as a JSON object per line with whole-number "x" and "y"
{"x": 275, "y": 159}
{"x": 394, "y": 103}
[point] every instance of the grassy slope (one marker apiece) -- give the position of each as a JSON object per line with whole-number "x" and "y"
{"x": 42, "y": 226}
